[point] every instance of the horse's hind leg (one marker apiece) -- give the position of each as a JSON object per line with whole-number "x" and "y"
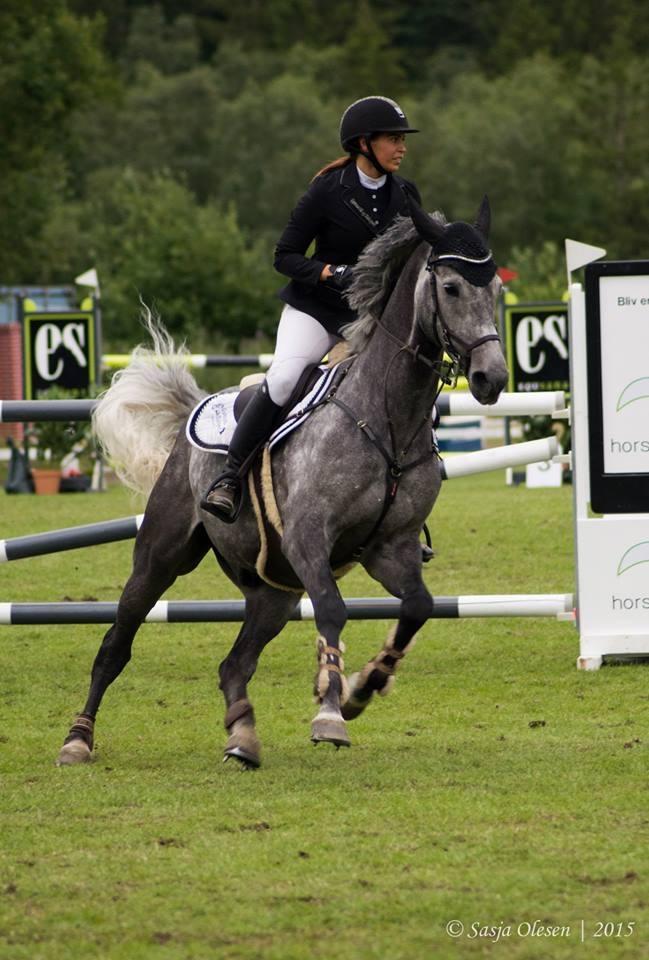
{"x": 267, "y": 611}
{"x": 397, "y": 566}
{"x": 166, "y": 547}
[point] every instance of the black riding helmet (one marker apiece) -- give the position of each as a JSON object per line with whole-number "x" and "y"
{"x": 369, "y": 116}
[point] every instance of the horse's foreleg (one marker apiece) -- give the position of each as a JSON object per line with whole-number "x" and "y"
{"x": 331, "y": 688}
{"x": 398, "y": 568}
{"x": 267, "y": 611}
{"x": 161, "y": 554}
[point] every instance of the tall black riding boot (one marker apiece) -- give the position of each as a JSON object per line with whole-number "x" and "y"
{"x": 223, "y": 499}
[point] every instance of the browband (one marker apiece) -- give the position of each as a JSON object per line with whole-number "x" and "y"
{"x": 456, "y": 256}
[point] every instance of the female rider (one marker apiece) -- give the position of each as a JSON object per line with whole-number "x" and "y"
{"x": 349, "y": 202}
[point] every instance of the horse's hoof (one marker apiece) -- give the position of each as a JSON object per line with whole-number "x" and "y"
{"x": 330, "y": 729}
{"x": 247, "y": 760}
{"x": 76, "y": 751}
{"x": 243, "y": 745}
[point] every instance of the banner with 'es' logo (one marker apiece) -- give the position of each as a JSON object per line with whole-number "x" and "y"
{"x": 537, "y": 346}
{"x": 58, "y": 350}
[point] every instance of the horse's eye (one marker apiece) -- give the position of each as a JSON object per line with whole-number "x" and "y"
{"x": 452, "y": 289}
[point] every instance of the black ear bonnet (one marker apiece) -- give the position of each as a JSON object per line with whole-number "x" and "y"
{"x": 462, "y": 246}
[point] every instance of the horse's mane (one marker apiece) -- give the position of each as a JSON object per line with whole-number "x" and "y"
{"x": 375, "y": 275}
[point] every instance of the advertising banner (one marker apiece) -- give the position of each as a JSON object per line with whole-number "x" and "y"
{"x": 617, "y": 334}
{"x": 537, "y": 346}
{"x": 624, "y": 308}
{"x": 58, "y": 350}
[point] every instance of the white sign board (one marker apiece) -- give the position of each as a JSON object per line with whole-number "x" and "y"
{"x": 610, "y": 458}
{"x": 624, "y": 307}
{"x": 614, "y": 585}
{"x": 543, "y": 474}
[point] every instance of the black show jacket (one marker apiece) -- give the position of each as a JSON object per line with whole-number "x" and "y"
{"x": 337, "y": 212}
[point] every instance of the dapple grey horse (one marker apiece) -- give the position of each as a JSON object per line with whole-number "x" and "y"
{"x": 355, "y": 482}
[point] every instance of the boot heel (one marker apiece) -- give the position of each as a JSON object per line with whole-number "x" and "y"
{"x": 228, "y": 508}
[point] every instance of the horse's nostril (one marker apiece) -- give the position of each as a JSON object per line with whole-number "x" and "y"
{"x": 484, "y": 387}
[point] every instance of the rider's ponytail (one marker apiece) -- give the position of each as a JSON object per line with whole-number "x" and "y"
{"x": 334, "y": 165}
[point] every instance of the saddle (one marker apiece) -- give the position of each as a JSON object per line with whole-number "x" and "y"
{"x": 211, "y": 425}
{"x": 212, "y": 422}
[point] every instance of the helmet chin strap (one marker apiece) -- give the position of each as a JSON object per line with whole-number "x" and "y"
{"x": 371, "y": 156}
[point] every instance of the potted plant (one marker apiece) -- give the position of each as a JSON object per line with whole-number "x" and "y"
{"x": 52, "y": 440}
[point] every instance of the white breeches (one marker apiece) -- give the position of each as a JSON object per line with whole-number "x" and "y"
{"x": 301, "y": 340}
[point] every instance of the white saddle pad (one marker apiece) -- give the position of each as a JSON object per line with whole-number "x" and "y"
{"x": 211, "y": 423}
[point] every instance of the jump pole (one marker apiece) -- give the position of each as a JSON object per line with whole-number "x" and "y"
{"x": 557, "y": 605}
{"x": 496, "y": 458}
{"x": 29, "y": 411}
{"x": 550, "y": 403}
{"x": 70, "y": 538}
{"x": 115, "y": 361}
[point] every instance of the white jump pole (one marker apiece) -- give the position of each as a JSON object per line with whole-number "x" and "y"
{"x": 544, "y": 403}
{"x": 497, "y": 458}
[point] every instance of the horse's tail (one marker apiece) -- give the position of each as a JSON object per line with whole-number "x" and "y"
{"x": 137, "y": 419}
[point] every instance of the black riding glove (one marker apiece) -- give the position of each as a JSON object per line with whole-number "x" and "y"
{"x": 341, "y": 276}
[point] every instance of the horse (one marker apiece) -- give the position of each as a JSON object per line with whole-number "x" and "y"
{"x": 354, "y": 484}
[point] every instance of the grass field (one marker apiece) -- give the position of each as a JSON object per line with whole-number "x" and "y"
{"x": 497, "y": 786}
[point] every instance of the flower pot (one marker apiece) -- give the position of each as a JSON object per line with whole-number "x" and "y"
{"x": 46, "y": 480}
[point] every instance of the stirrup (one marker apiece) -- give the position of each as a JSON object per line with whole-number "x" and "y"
{"x": 427, "y": 553}
{"x": 227, "y": 509}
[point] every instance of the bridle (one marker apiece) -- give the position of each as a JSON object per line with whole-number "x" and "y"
{"x": 455, "y": 347}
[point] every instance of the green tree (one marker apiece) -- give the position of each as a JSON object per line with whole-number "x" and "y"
{"x": 611, "y": 147}
{"x": 162, "y": 122}
{"x": 50, "y": 66}
{"x": 171, "y": 47}
{"x": 371, "y": 64}
{"x": 420, "y": 29}
{"x": 150, "y": 239}
{"x": 566, "y": 29}
{"x": 541, "y": 272}
{"x": 511, "y": 138}
{"x": 266, "y": 144}
{"x": 269, "y": 26}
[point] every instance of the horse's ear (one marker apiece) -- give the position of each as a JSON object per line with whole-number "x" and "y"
{"x": 483, "y": 220}
{"x": 427, "y": 228}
